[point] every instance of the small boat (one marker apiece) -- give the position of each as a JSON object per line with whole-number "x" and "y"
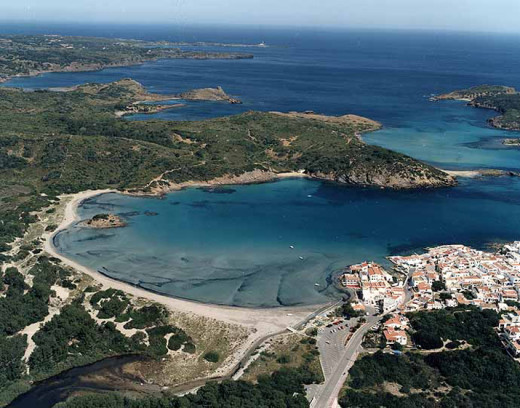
{"x": 301, "y": 257}
{"x": 316, "y": 284}
{"x": 309, "y": 196}
{"x": 291, "y": 246}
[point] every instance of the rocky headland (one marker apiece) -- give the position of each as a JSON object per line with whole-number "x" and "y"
{"x": 503, "y": 99}
{"x": 475, "y": 92}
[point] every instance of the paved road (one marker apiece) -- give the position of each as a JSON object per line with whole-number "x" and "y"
{"x": 327, "y": 395}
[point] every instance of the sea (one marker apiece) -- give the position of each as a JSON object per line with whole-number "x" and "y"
{"x": 282, "y": 243}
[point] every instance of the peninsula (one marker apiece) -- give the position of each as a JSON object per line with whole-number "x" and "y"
{"x": 503, "y": 99}
{"x": 73, "y": 141}
{"x": 209, "y": 94}
{"x": 30, "y": 55}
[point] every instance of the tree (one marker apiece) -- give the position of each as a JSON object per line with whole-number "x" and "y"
{"x": 427, "y": 340}
{"x": 438, "y": 285}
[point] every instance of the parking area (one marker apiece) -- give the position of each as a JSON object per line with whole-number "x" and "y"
{"x": 331, "y": 343}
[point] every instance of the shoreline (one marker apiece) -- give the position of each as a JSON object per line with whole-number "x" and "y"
{"x": 71, "y": 216}
{"x": 480, "y": 173}
{"x": 251, "y": 177}
{"x": 261, "y": 322}
{"x": 95, "y": 67}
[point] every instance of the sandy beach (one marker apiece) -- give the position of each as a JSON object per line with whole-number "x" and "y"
{"x": 463, "y": 173}
{"x": 250, "y": 177}
{"x": 262, "y": 322}
{"x": 480, "y": 173}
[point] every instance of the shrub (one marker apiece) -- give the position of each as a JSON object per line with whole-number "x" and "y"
{"x": 212, "y": 357}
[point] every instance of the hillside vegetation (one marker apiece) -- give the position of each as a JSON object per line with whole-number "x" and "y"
{"x": 480, "y": 375}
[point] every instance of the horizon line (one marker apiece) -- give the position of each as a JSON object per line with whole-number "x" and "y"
{"x": 322, "y": 27}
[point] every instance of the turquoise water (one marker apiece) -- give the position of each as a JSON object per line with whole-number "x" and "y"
{"x": 232, "y": 246}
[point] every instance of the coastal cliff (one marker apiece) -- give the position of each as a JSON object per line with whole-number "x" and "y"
{"x": 503, "y": 99}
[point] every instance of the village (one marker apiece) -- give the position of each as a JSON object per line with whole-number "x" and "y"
{"x": 443, "y": 277}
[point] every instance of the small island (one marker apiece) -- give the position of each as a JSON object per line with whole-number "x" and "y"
{"x": 503, "y": 99}
{"x": 104, "y": 221}
{"x": 512, "y": 141}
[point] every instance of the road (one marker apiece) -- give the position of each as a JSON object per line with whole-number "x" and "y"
{"x": 237, "y": 371}
{"x": 335, "y": 377}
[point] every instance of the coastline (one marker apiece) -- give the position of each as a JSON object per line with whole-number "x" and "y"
{"x": 159, "y": 187}
{"x": 94, "y": 67}
{"x": 480, "y": 173}
{"x": 262, "y": 323}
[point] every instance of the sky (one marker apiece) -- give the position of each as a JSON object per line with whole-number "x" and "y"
{"x": 464, "y": 15}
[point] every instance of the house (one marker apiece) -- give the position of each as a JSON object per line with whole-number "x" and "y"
{"x": 351, "y": 280}
{"x": 396, "y": 322}
{"x": 395, "y": 336}
{"x": 509, "y": 294}
{"x": 358, "y": 307}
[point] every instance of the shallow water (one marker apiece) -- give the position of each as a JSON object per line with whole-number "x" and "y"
{"x": 233, "y": 247}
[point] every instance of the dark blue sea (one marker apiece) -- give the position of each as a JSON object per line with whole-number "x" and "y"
{"x": 232, "y": 246}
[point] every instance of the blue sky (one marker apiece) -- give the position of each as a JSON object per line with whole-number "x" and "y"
{"x": 470, "y": 15}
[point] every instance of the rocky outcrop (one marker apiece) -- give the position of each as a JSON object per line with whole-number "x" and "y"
{"x": 511, "y": 142}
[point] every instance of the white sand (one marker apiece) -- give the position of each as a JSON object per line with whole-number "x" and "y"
{"x": 263, "y": 322}
{"x": 463, "y": 173}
